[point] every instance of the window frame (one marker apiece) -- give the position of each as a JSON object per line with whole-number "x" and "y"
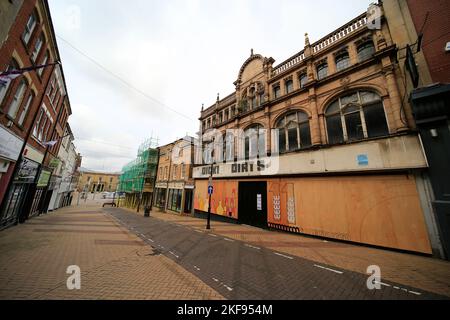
{"x": 342, "y": 60}
{"x": 29, "y": 30}
{"x": 343, "y": 114}
{"x": 319, "y": 68}
{"x": 363, "y": 56}
{"x": 283, "y": 128}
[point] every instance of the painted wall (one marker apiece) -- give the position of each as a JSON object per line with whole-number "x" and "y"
{"x": 224, "y": 200}
{"x": 381, "y": 210}
{"x": 378, "y": 210}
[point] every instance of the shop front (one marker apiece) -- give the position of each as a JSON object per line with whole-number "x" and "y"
{"x": 23, "y": 182}
{"x": 160, "y": 195}
{"x": 10, "y": 146}
{"x": 372, "y": 197}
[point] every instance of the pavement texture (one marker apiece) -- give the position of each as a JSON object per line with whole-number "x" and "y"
{"x": 114, "y": 263}
{"x": 243, "y": 262}
{"x": 124, "y": 255}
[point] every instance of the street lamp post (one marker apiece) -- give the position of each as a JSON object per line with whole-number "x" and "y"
{"x": 208, "y": 220}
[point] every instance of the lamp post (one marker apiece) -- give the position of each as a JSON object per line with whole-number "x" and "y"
{"x": 208, "y": 221}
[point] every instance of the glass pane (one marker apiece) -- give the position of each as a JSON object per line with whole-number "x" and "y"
{"x": 282, "y": 140}
{"x": 354, "y": 127}
{"x": 280, "y": 123}
{"x": 302, "y": 117}
{"x": 291, "y": 117}
{"x": 332, "y": 108}
{"x": 367, "y": 96}
{"x": 292, "y": 139}
{"x": 305, "y": 135}
{"x": 322, "y": 71}
{"x": 375, "y": 120}
{"x": 365, "y": 51}
{"x": 261, "y": 143}
{"x": 303, "y": 80}
{"x": 334, "y": 129}
{"x": 247, "y": 147}
{"x": 349, "y": 98}
{"x": 342, "y": 61}
{"x": 351, "y": 108}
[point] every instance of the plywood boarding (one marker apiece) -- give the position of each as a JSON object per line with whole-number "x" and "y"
{"x": 378, "y": 210}
{"x": 224, "y": 200}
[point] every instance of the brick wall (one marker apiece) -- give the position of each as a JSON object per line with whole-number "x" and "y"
{"x": 436, "y": 33}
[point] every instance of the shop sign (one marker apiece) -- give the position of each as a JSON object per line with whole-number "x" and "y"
{"x": 54, "y": 163}
{"x": 28, "y": 171}
{"x": 10, "y": 145}
{"x": 44, "y": 178}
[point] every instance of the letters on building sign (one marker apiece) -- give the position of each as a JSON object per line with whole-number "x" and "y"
{"x": 235, "y": 168}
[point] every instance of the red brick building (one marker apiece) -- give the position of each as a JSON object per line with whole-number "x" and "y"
{"x": 34, "y": 108}
{"x": 431, "y": 18}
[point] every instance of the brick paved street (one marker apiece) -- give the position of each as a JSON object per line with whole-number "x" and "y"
{"x": 246, "y": 270}
{"x": 123, "y": 255}
{"x": 425, "y": 273}
{"x": 115, "y": 264}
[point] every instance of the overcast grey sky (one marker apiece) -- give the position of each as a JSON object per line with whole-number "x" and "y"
{"x": 179, "y": 52}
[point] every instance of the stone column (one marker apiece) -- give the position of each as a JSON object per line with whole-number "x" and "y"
{"x": 268, "y": 132}
{"x": 394, "y": 96}
{"x": 315, "y": 126}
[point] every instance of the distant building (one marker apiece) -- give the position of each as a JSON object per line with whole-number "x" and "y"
{"x": 174, "y": 184}
{"x": 138, "y": 177}
{"x": 66, "y": 173}
{"x": 95, "y": 181}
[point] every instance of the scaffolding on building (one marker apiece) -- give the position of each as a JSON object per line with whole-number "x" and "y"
{"x": 138, "y": 176}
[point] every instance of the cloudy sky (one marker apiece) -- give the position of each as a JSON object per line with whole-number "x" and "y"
{"x": 139, "y": 68}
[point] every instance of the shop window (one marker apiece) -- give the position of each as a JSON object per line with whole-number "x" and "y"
{"x": 356, "y": 116}
{"x": 322, "y": 71}
{"x": 293, "y": 132}
{"x": 365, "y": 51}
{"x": 255, "y": 142}
{"x": 342, "y": 61}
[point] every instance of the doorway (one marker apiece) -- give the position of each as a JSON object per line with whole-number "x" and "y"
{"x": 252, "y": 203}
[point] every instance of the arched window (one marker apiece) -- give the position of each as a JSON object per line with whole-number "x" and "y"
{"x": 254, "y": 142}
{"x": 365, "y": 51}
{"x": 356, "y": 116}
{"x": 293, "y": 132}
{"x": 17, "y": 99}
{"x": 228, "y": 146}
{"x": 322, "y": 70}
{"x": 342, "y": 60}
